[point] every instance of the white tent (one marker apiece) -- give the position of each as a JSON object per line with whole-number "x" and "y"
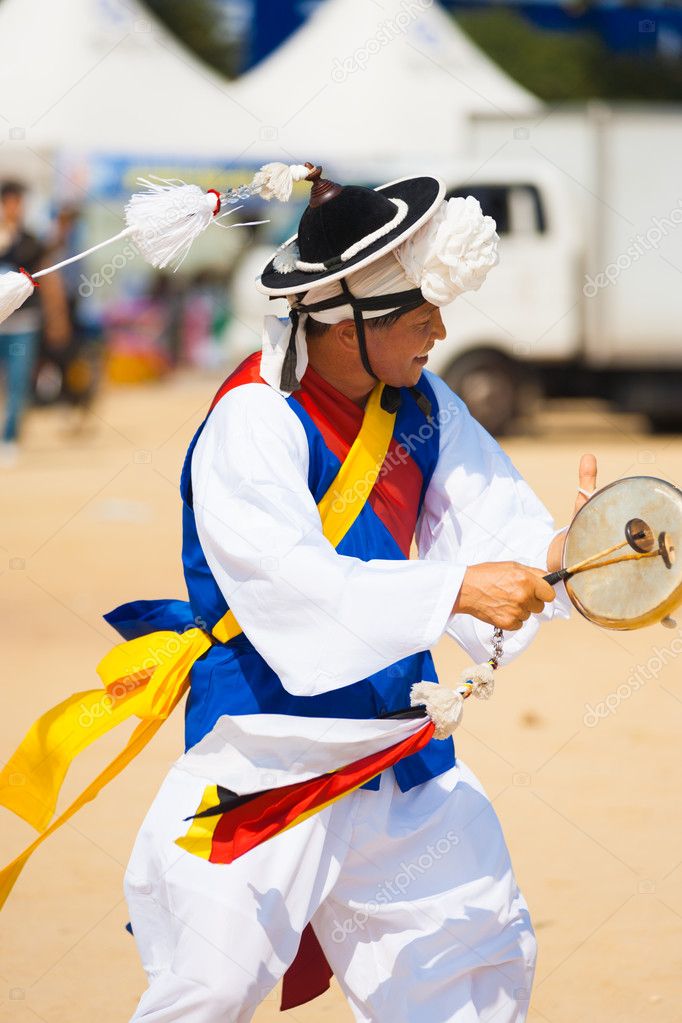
{"x": 103, "y": 76}
{"x": 386, "y": 88}
{"x": 380, "y": 89}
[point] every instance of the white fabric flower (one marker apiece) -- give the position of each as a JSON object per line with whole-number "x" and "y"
{"x": 452, "y": 252}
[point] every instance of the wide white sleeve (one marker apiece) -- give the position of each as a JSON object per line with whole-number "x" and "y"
{"x": 479, "y": 508}
{"x": 321, "y": 620}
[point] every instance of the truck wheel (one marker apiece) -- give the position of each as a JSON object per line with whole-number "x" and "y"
{"x": 488, "y": 384}
{"x": 662, "y": 423}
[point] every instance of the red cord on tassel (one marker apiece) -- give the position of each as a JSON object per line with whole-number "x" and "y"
{"x": 22, "y": 270}
{"x": 216, "y": 193}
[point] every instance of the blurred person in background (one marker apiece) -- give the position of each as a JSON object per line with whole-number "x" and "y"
{"x": 204, "y": 316}
{"x": 20, "y": 333}
{"x": 137, "y": 330}
{"x": 70, "y": 373}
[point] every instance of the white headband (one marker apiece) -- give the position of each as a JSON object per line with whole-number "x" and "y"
{"x": 384, "y": 277}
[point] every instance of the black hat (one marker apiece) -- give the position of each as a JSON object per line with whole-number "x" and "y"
{"x": 347, "y": 227}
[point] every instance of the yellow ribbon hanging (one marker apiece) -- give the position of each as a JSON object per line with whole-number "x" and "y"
{"x": 144, "y": 678}
{"x": 147, "y": 677}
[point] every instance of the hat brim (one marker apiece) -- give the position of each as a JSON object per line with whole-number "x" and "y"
{"x": 422, "y": 196}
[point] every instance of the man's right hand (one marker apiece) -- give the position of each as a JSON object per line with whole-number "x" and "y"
{"x": 503, "y": 593}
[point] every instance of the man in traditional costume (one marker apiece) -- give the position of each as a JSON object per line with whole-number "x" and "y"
{"x": 345, "y": 632}
{"x": 321, "y": 460}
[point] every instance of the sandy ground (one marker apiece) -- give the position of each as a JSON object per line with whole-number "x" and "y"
{"x": 591, "y": 811}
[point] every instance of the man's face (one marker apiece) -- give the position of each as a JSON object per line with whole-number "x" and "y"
{"x": 12, "y": 207}
{"x": 399, "y": 353}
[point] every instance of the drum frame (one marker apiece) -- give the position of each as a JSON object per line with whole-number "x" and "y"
{"x": 662, "y": 610}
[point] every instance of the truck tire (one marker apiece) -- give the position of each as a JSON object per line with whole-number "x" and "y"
{"x": 655, "y": 394}
{"x": 662, "y": 423}
{"x": 488, "y": 383}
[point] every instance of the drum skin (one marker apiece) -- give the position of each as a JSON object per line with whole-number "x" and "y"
{"x": 631, "y": 594}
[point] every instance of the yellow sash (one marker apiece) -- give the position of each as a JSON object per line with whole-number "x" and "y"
{"x": 148, "y": 676}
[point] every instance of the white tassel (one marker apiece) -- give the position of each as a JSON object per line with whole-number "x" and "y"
{"x": 167, "y": 218}
{"x": 480, "y": 679}
{"x": 443, "y": 706}
{"x": 285, "y": 259}
{"x": 276, "y": 180}
{"x": 15, "y": 288}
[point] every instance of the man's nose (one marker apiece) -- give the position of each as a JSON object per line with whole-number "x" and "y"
{"x": 438, "y": 331}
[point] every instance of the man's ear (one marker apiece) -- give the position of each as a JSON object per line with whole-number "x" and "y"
{"x": 345, "y": 332}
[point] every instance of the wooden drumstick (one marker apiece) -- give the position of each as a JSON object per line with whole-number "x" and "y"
{"x": 595, "y": 557}
{"x": 582, "y": 567}
{"x": 638, "y": 534}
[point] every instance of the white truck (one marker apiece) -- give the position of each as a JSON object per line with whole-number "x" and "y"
{"x": 587, "y": 298}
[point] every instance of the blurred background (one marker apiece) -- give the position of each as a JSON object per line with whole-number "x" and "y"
{"x": 565, "y": 121}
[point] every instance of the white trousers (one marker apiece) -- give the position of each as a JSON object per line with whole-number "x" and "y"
{"x": 411, "y": 896}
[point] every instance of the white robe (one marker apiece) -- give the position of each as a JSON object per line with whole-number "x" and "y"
{"x": 411, "y": 895}
{"x": 323, "y": 620}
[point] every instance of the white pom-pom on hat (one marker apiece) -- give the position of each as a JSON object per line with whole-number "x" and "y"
{"x": 15, "y": 288}
{"x": 452, "y": 253}
{"x": 443, "y": 706}
{"x": 276, "y": 180}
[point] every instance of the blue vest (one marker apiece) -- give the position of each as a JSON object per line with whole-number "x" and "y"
{"x": 233, "y": 678}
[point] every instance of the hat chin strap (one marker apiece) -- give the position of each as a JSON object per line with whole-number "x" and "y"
{"x": 359, "y": 328}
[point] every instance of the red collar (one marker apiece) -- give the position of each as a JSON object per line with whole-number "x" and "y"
{"x": 337, "y": 417}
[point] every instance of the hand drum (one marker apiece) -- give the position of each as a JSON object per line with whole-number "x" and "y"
{"x": 620, "y": 567}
